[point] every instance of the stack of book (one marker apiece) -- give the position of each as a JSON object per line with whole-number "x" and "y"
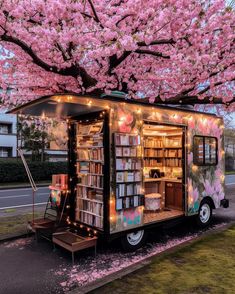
{"x": 128, "y": 177}
{"x": 153, "y": 142}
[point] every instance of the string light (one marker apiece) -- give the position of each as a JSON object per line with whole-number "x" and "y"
{"x": 69, "y": 98}
{"x": 89, "y": 103}
{"x": 194, "y": 167}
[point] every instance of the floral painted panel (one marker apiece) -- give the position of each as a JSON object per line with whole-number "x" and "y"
{"x": 205, "y": 180}
{"x": 124, "y": 120}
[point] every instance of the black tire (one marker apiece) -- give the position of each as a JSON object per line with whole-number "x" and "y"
{"x": 134, "y": 240}
{"x": 204, "y": 214}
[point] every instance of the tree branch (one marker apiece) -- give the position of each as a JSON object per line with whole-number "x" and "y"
{"x": 73, "y": 71}
{"x": 149, "y": 52}
{"x": 96, "y": 18}
{"x": 124, "y": 17}
{"x": 215, "y": 85}
{"x": 114, "y": 61}
{"x": 158, "y": 42}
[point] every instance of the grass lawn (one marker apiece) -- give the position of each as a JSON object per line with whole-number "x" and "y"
{"x": 17, "y": 223}
{"x": 230, "y": 172}
{"x": 207, "y": 266}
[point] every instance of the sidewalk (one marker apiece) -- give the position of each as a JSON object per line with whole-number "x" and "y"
{"x": 7, "y": 186}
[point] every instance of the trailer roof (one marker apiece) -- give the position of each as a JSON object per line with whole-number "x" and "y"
{"x": 70, "y": 105}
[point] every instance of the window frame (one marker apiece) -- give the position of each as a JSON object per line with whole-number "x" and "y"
{"x": 195, "y": 162}
{"x": 9, "y": 151}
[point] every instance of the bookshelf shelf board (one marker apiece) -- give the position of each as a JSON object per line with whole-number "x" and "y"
{"x": 89, "y": 147}
{"x": 90, "y": 160}
{"x": 164, "y": 147}
{"x": 162, "y": 157}
{"x": 152, "y": 180}
{"x": 91, "y": 187}
{"x": 118, "y": 145}
{"x": 146, "y": 147}
{"x": 131, "y": 169}
{"x": 86, "y": 211}
{"x": 154, "y": 157}
{"x": 91, "y": 200}
{"x": 129, "y": 182}
{"x": 90, "y": 135}
{"x": 139, "y": 157}
{"x": 171, "y": 147}
{"x": 120, "y": 197}
{"x": 94, "y": 174}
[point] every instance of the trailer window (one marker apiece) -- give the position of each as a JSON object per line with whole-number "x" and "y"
{"x": 205, "y": 150}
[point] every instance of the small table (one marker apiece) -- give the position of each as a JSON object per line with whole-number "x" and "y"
{"x": 73, "y": 242}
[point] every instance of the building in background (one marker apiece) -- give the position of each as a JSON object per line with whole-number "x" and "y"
{"x": 8, "y": 135}
{"x": 10, "y": 140}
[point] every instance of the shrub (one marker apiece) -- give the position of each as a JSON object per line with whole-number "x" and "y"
{"x": 14, "y": 171}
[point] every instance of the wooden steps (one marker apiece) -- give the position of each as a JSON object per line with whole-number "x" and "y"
{"x": 73, "y": 242}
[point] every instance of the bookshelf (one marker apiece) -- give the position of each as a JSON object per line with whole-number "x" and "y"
{"x": 128, "y": 177}
{"x": 89, "y": 169}
{"x": 162, "y": 151}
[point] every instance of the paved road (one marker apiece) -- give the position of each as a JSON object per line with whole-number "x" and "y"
{"x": 230, "y": 180}
{"x": 22, "y": 197}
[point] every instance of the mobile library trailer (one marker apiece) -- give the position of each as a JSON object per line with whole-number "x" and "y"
{"x": 134, "y": 165}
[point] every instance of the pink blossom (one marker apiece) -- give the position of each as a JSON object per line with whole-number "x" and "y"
{"x": 164, "y": 49}
{"x": 190, "y": 158}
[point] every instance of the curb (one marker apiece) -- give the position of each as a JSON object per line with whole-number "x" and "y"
{"x": 11, "y": 237}
{"x": 138, "y": 265}
{"x": 23, "y": 186}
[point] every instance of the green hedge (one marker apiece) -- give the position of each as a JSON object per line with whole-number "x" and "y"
{"x": 11, "y": 171}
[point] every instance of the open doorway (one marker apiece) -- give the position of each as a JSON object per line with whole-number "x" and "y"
{"x": 163, "y": 171}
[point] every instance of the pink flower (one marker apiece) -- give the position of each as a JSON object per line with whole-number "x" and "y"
{"x": 190, "y": 158}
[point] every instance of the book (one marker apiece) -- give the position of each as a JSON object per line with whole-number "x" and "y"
{"x": 118, "y": 151}
{"x": 119, "y": 177}
{"x": 96, "y": 128}
{"x": 119, "y": 205}
{"x": 126, "y": 151}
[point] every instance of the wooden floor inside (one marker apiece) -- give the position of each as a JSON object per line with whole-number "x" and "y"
{"x": 150, "y": 217}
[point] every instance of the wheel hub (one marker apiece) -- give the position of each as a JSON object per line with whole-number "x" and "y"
{"x": 135, "y": 238}
{"x": 205, "y": 213}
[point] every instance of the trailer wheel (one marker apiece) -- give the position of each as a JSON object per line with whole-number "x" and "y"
{"x": 134, "y": 240}
{"x": 205, "y": 214}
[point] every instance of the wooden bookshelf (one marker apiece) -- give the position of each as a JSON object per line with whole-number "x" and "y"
{"x": 128, "y": 177}
{"x": 162, "y": 152}
{"x": 90, "y": 161}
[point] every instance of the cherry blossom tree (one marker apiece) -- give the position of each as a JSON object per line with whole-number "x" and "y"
{"x": 172, "y": 51}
